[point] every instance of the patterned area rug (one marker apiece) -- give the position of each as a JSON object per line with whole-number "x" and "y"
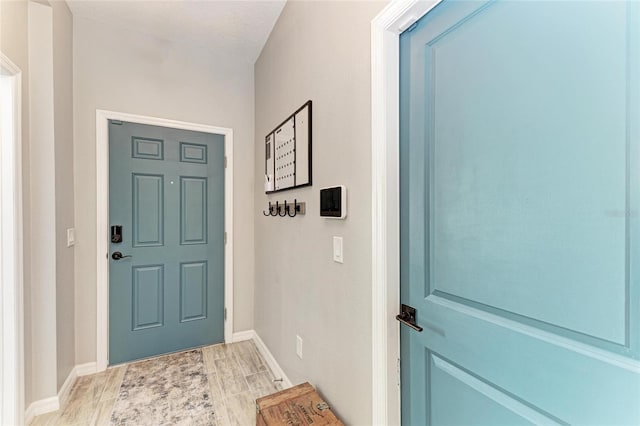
{"x": 172, "y": 390}
{"x": 215, "y": 386}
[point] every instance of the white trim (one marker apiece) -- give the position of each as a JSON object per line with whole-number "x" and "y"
{"x": 243, "y": 335}
{"x": 40, "y": 407}
{"x": 77, "y": 371}
{"x": 277, "y": 371}
{"x": 102, "y": 219}
{"x": 65, "y": 389}
{"x": 228, "y": 227}
{"x": 86, "y": 369}
{"x": 12, "y": 296}
{"x": 54, "y": 403}
{"x": 385, "y": 80}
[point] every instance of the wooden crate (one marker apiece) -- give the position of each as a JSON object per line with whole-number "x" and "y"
{"x": 297, "y": 406}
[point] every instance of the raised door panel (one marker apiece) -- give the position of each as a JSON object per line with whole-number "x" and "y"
{"x": 193, "y": 210}
{"x": 476, "y": 401}
{"x": 193, "y": 153}
{"x": 147, "y": 148}
{"x": 148, "y": 210}
{"x": 528, "y": 173}
{"x": 148, "y": 297}
{"x": 193, "y": 291}
{"x": 559, "y": 377}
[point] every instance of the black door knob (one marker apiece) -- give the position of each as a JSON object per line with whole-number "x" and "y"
{"x": 117, "y": 255}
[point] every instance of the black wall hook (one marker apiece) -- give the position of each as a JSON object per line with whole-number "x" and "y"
{"x": 270, "y": 208}
{"x": 284, "y": 209}
{"x": 296, "y": 208}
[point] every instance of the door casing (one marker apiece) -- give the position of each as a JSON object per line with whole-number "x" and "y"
{"x": 12, "y": 409}
{"x": 102, "y": 220}
{"x": 386, "y": 27}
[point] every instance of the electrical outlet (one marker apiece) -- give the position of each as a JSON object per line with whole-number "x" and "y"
{"x": 299, "y": 346}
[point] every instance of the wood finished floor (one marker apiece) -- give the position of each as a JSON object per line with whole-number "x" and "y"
{"x": 214, "y": 385}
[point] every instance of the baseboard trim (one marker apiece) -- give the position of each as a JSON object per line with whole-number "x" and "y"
{"x": 77, "y": 371}
{"x": 47, "y": 405}
{"x": 86, "y": 369}
{"x": 65, "y": 390}
{"x": 277, "y": 371}
{"x": 243, "y": 335}
{"x": 41, "y": 406}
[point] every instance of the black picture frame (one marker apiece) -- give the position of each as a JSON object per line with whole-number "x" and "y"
{"x": 271, "y": 156}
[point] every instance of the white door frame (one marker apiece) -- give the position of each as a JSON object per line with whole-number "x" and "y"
{"x": 11, "y": 268}
{"x": 102, "y": 220}
{"x": 385, "y": 82}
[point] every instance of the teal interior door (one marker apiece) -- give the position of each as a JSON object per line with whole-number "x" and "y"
{"x": 520, "y": 193}
{"x": 166, "y": 190}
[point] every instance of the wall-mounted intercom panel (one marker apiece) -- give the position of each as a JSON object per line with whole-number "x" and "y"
{"x": 333, "y": 202}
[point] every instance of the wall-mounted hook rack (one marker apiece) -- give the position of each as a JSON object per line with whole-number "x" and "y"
{"x": 285, "y": 209}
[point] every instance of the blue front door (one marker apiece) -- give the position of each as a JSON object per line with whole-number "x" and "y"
{"x": 520, "y": 213}
{"x": 166, "y": 191}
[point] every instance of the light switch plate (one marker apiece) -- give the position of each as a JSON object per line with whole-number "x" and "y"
{"x": 337, "y": 250}
{"x": 299, "y": 346}
{"x": 71, "y": 237}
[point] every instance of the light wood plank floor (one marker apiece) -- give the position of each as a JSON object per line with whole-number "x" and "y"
{"x": 214, "y": 385}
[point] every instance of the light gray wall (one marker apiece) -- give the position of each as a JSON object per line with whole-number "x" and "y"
{"x": 43, "y": 201}
{"x": 120, "y": 70}
{"x": 43, "y": 339}
{"x": 14, "y": 44}
{"x": 319, "y": 51}
{"x": 63, "y": 123}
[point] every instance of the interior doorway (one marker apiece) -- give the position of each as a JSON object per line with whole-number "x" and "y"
{"x": 102, "y": 219}
{"x": 11, "y": 287}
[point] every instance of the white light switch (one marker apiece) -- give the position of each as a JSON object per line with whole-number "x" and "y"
{"x": 299, "y": 346}
{"x": 71, "y": 237}
{"x": 337, "y": 249}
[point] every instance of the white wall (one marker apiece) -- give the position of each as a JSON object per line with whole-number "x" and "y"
{"x": 319, "y": 51}
{"x": 121, "y": 70}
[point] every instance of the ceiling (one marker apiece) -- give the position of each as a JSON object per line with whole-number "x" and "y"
{"x": 228, "y": 27}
